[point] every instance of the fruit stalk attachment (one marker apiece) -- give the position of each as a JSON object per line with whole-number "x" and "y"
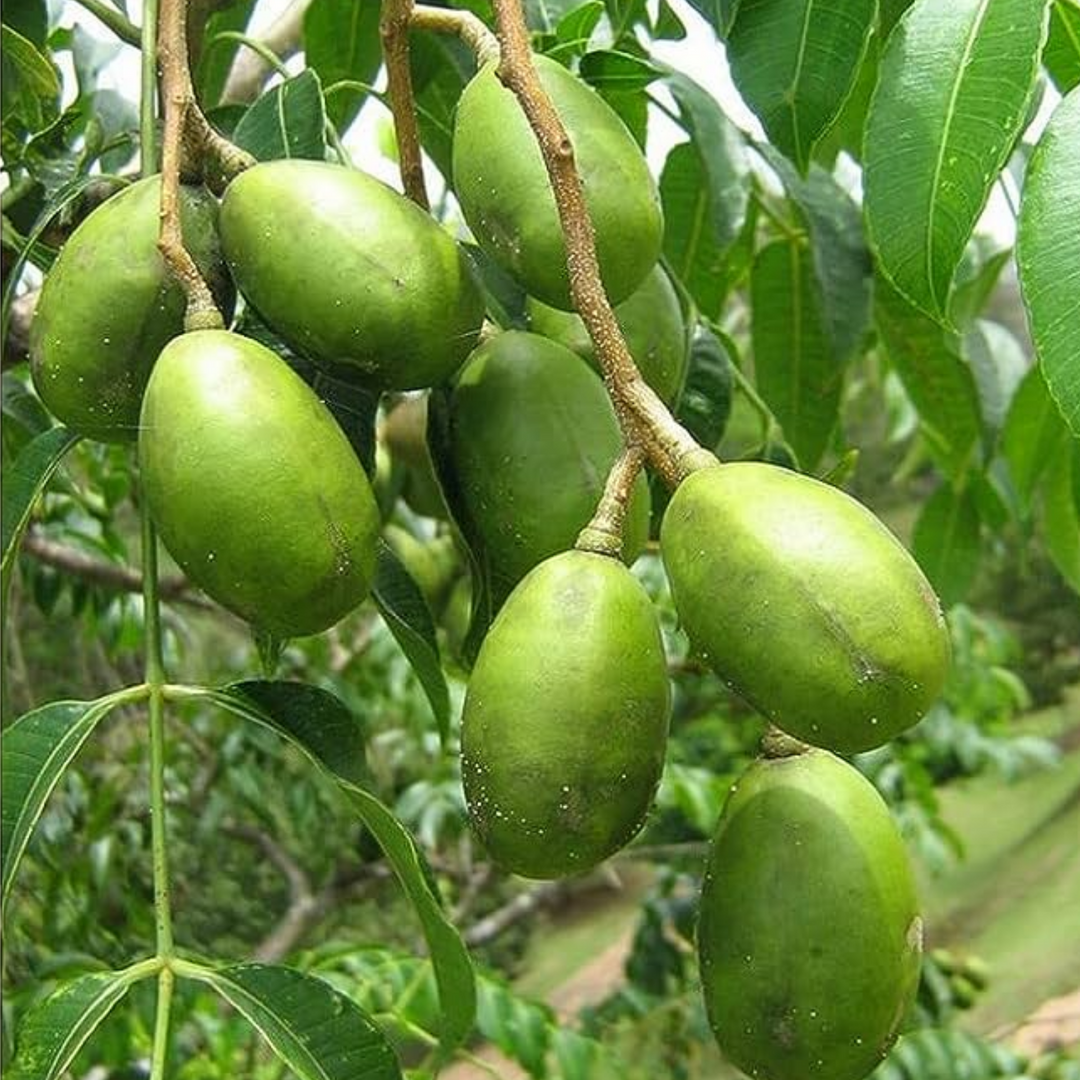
{"x": 394, "y": 34}
{"x": 644, "y": 418}
{"x": 187, "y": 142}
{"x": 604, "y": 533}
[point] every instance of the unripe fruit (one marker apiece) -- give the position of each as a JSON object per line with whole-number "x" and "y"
{"x": 802, "y": 600}
{"x": 350, "y": 272}
{"x": 809, "y": 935}
{"x": 532, "y": 438}
{"x": 566, "y": 718}
{"x": 652, "y": 324}
{"x": 503, "y": 187}
{"x": 109, "y": 305}
{"x": 254, "y": 488}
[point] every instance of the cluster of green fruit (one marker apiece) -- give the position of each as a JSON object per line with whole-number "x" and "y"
{"x": 792, "y": 591}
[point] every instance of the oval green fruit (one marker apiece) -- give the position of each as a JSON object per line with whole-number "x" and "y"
{"x": 350, "y": 272}
{"x": 809, "y": 934}
{"x": 651, "y": 321}
{"x": 532, "y": 437}
{"x": 503, "y": 188}
{"x": 109, "y": 305}
{"x": 565, "y": 718}
{"x": 802, "y": 600}
{"x": 255, "y": 490}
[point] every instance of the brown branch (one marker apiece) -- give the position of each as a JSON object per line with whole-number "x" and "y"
{"x": 521, "y": 907}
{"x": 250, "y": 71}
{"x": 604, "y": 533}
{"x": 470, "y": 28}
{"x": 109, "y": 575}
{"x": 394, "y": 32}
{"x": 644, "y": 418}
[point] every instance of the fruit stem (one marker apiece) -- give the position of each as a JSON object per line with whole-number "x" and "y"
{"x": 394, "y": 34}
{"x": 644, "y": 418}
{"x": 179, "y": 104}
{"x": 604, "y": 534}
{"x": 148, "y": 90}
{"x": 779, "y": 744}
{"x": 472, "y": 30}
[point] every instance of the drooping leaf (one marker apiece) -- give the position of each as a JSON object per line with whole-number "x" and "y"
{"x": 1048, "y": 255}
{"x": 316, "y": 1030}
{"x": 976, "y": 277}
{"x": 928, "y": 360}
{"x": 288, "y": 121}
{"x": 719, "y": 14}
{"x": 705, "y": 404}
{"x": 217, "y": 54}
{"x": 946, "y": 542}
{"x": 1062, "y": 53}
{"x": 607, "y": 69}
{"x": 402, "y": 606}
{"x": 35, "y": 751}
{"x": 282, "y": 710}
{"x": 952, "y": 98}
{"x": 998, "y": 363}
{"x": 31, "y": 85}
{"x": 796, "y": 369}
{"x": 341, "y": 41}
{"x": 55, "y": 1028}
{"x": 846, "y": 131}
{"x": 795, "y": 62}
{"x": 1060, "y": 519}
{"x": 1034, "y": 435}
{"x": 841, "y": 259}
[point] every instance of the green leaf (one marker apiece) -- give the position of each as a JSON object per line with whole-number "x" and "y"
{"x": 217, "y": 55}
{"x": 318, "y": 1032}
{"x": 1062, "y": 53}
{"x": 1048, "y": 255}
{"x": 846, "y": 131}
{"x": 946, "y": 542}
{"x": 889, "y": 14}
{"x": 341, "y": 41}
{"x": 288, "y": 121}
{"x": 441, "y": 67}
{"x": 576, "y": 27}
{"x": 1060, "y": 519}
{"x": 620, "y": 71}
{"x": 453, "y": 968}
{"x": 998, "y": 363}
{"x": 54, "y": 1029}
{"x": 795, "y": 62}
{"x": 952, "y": 98}
{"x": 941, "y": 386}
{"x": 23, "y": 481}
{"x": 31, "y": 85}
{"x": 35, "y": 751}
{"x": 402, "y": 606}
{"x": 1033, "y": 437}
{"x": 976, "y": 278}
{"x": 705, "y": 404}
{"x": 719, "y": 14}
{"x": 795, "y": 368}
{"x": 842, "y": 264}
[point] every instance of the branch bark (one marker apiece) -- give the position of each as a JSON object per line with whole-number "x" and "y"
{"x": 394, "y": 32}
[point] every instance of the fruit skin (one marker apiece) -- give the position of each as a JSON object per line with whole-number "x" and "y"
{"x": 809, "y": 935}
{"x": 109, "y": 305}
{"x": 350, "y": 272}
{"x": 566, "y": 717}
{"x": 533, "y": 436}
{"x": 503, "y": 187}
{"x": 805, "y": 603}
{"x": 651, "y": 321}
{"x": 254, "y": 488}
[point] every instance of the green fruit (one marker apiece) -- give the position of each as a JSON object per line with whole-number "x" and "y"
{"x": 566, "y": 718}
{"x": 505, "y": 195}
{"x": 254, "y": 488}
{"x": 802, "y": 600}
{"x": 651, "y": 321}
{"x": 109, "y": 305}
{"x": 809, "y": 934}
{"x": 350, "y": 272}
{"x": 532, "y": 438}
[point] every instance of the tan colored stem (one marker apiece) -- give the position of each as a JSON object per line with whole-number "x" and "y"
{"x": 644, "y": 418}
{"x": 472, "y": 30}
{"x": 604, "y": 534}
{"x": 179, "y": 158}
{"x": 394, "y": 31}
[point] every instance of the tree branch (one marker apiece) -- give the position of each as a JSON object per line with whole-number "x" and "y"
{"x": 471, "y": 29}
{"x": 250, "y": 70}
{"x": 394, "y": 32}
{"x": 644, "y": 418}
{"x": 521, "y": 907}
{"x": 604, "y": 533}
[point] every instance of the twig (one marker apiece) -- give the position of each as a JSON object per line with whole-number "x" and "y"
{"x": 394, "y": 32}
{"x": 522, "y": 906}
{"x": 123, "y": 28}
{"x": 471, "y": 29}
{"x": 604, "y": 533}
{"x": 250, "y": 69}
{"x": 644, "y": 418}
